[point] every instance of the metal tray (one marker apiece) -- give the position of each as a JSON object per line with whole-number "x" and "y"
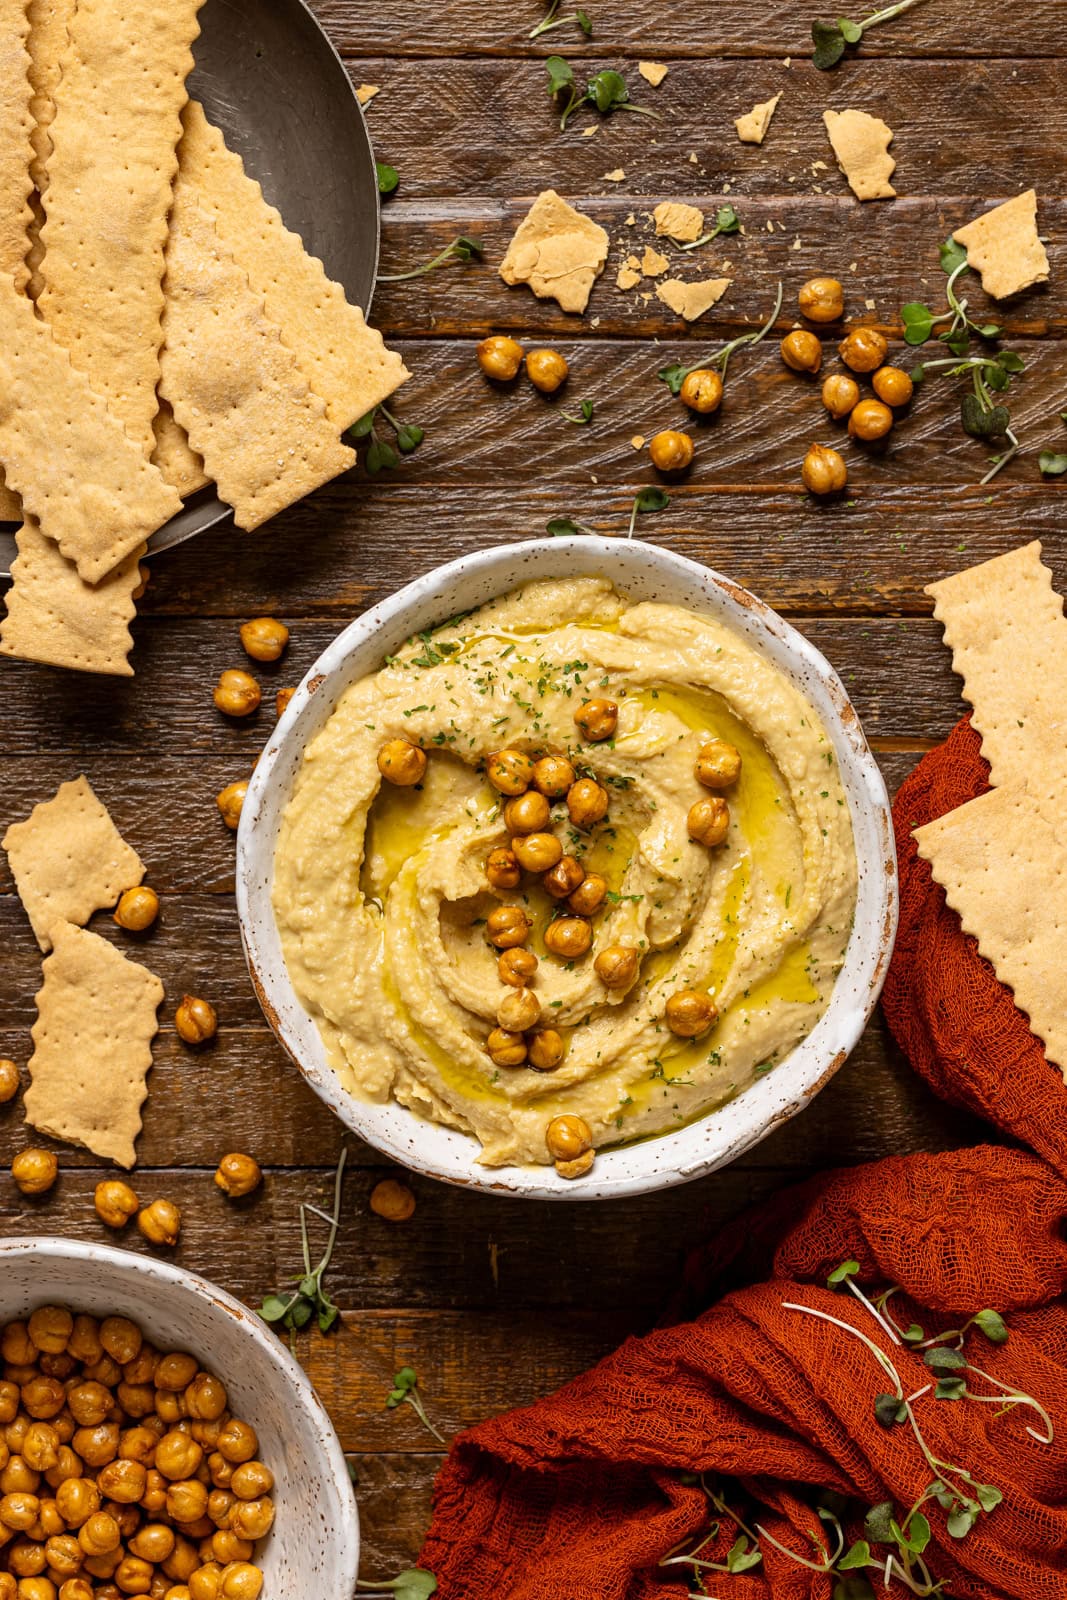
{"x": 275, "y": 85}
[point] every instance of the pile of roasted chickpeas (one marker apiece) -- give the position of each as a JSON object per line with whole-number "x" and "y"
{"x": 502, "y": 359}
{"x": 529, "y": 786}
{"x": 863, "y": 351}
{"x": 122, "y": 1470}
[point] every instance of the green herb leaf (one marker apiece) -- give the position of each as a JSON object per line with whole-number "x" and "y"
{"x": 858, "y": 1555}
{"x": 915, "y": 1540}
{"x": 878, "y": 1523}
{"x": 566, "y": 527}
{"x": 727, "y": 220}
{"x": 989, "y": 330}
{"x": 962, "y": 1520}
{"x": 560, "y": 75}
{"x": 847, "y": 1269}
{"x": 957, "y": 340}
{"x": 409, "y": 437}
{"x": 414, "y": 1584}
{"x": 585, "y": 22}
{"x": 274, "y": 1308}
{"x": 740, "y": 1558}
{"x": 651, "y": 499}
{"x": 1052, "y": 464}
{"x": 889, "y": 1409}
{"x": 1010, "y": 361}
{"x": 918, "y": 322}
{"x": 360, "y": 429}
{"x": 942, "y": 1359}
{"x": 380, "y": 456}
{"x": 608, "y": 90}
{"x": 851, "y": 31}
{"x": 952, "y": 255}
{"x": 992, "y": 1325}
{"x": 913, "y": 1335}
{"x": 983, "y": 422}
{"x": 673, "y": 376}
{"x": 406, "y": 1388}
{"x": 829, "y": 44}
{"x": 989, "y": 1496}
{"x": 918, "y": 373}
{"x": 950, "y": 1389}
{"x": 301, "y": 1313}
{"x": 295, "y": 1310}
{"x": 388, "y": 177}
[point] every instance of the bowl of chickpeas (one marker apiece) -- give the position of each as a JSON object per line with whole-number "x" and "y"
{"x": 157, "y": 1439}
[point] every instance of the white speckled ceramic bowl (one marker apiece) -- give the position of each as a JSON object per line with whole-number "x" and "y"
{"x": 313, "y": 1548}
{"x": 643, "y": 572}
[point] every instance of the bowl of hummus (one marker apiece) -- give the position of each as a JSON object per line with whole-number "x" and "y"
{"x": 568, "y": 872}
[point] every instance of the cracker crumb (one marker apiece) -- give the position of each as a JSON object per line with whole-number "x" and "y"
{"x": 752, "y": 127}
{"x": 629, "y": 274}
{"x": 869, "y": 303}
{"x": 653, "y": 72}
{"x": 652, "y": 263}
{"x": 616, "y": 175}
{"x": 1004, "y": 247}
{"x": 861, "y": 145}
{"x": 638, "y": 441}
{"x": 676, "y": 220}
{"x": 693, "y": 158}
{"x": 631, "y": 220}
{"x": 691, "y": 300}
{"x": 557, "y": 251}
{"x": 366, "y": 92}
{"x": 587, "y": 133}
{"x": 796, "y": 245}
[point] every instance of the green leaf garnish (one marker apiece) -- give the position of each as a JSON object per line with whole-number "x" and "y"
{"x": 388, "y": 177}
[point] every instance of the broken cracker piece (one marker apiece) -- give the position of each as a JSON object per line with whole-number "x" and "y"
{"x": 691, "y": 300}
{"x": 652, "y": 263}
{"x": 366, "y": 91}
{"x": 236, "y": 389}
{"x": 637, "y": 441}
{"x": 96, "y": 1019}
{"x": 752, "y": 127}
{"x": 557, "y": 251}
{"x": 55, "y": 618}
{"x": 677, "y": 220}
{"x": 68, "y": 859}
{"x": 1003, "y": 246}
{"x": 615, "y": 176}
{"x": 861, "y": 145}
{"x": 629, "y": 274}
{"x": 653, "y": 72}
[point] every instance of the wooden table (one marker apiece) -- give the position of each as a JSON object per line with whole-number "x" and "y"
{"x": 496, "y": 1302}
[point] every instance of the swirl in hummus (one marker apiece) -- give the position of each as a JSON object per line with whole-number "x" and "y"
{"x": 382, "y": 899}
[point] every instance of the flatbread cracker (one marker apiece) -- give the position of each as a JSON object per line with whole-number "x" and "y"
{"x": 557, "y": 251}
{"x": 174, "y": 455}
{"x": 68, "y": 859}
{"x": 96, "y": 1019}
{"x": 861, "y": 145}
{"x": 111, "y": 168}
{"x": 752, "y": 127}
{"x": 1005, "y": 626}
{"x": 1002, "y": 862}
{"x": 691, "y": 300}
{"x": 49, "y": 35}
{"x": 98, "y": 497}
{"x": 1003, "y": 245}
{"x": 236, "y": 389}
{"x": 676, "y": 220}
{"x": 345, "y": 361}
{"x": 55, "y": 618}
{"x": 16, "y": 128}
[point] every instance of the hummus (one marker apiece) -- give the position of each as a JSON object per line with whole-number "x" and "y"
{"x": 381, "y": 895}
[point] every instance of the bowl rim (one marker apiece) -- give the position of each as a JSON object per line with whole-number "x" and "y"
{"x": 764, "y": 1104}
{"x": 129, "y": 1263}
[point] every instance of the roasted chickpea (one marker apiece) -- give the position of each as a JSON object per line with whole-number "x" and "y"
{"x": 9, "y": 1587}
{"x": 43, "y": 1398}
{"x": 154, "y": 1499}
{"x": 502, "y": 868}
{"x": 241, "y": 1581}
{"x": 506, "y": 1049}
{"x": 9, "y": 1081}
{"x": 204, "y": 1582}
{"x": 230, "y": 802}
{"x": 691, "y": 1012}
{"x": 839, "y": 394}
{"x": 183, "y": 1563}
{"x": 516, "y": 967}
{"x": 178, "y": 1456}
{"x": 863, "y": 349}
{"x": 196, "y": 1020}
{"x": 252, "y": 1480}
{"x": 139, "y": 1444}
{"x": 617, "y": 966}
{"x": 84, "y": 1342}
{"x": 26, "y": 1558}
{"x": 564, "y": 877}
{"x": 597, "y": 720}
{"x": 252, "y": 1519}
{"x": 708, "y": 822}
{"x": 19, "y": 1511}
{"x": 161, "y": 1223}
{"x": 801, "y": 351}
{"x": 402, "y": 763}
{"x": 701, "y": 391}
{"x": 568, "y": 1137}
{"x": 137, "y": 909}
{"x": 553, "y": 776}
{"x": 500, "y": 358}
{"x": 16, "y": 1346}
{"x": 519, "y": 1011}
{"x": 67, "y": 1466}
{"x": 237, "y": 694}
{"x": 73, "y": 1589}
{"x": 9, "y": 1403}
{"x": 545, "y": 1049}
{"x": 77, "y": 1500}
{"x": 153, "y": 1542}
{"x": 671, "y": 450}
{"x": 893, "y": 386}
{"x": 281, "y": 701}
{"x": 115, "y": 1202}
{"x": 206, "y": 1398}
{"x": 133, "y": 1576}
{"x": 264, "y": 638}
{"x": 871, "y": 420}
{"x": 718, "y": 764}
{"x": 123, "y": 1481}
{"x": 177, "y": 1369}
{"x": 237, "y": 1442}
{"x": 36, "y": 1589}
{"x": 547, "y": 370}
{"x": 49, "y": 1329}
{"x": 537, "y": 852}
{"x": 35, "y": 1171}
{"x": 527, "y": 813}
{"x": 187, "y": 1501}
{"x": 823, "y": 471}
{"x": 90, "y": 1404}
{"x": 18, "y": 1478}
{"x": 220, "y": 1502}
{"x": 40, "y": 1447}
{"x": 63, "y": 1554}
{"x": 821, "y": 300}
{"x": 510, "y": 771}
{"x": 587, "y": 803}
{"x": 99, "y": 1535}
{"x": 589, "y": 895}
{"x": 392, "y": 1201}
{"x": 507, "y": 927}
{"x": 170, "y": 1408}
{"x": 238, "y": 1175}
{"x": 97, "y": 1446}
{"x": 568, "y": 937}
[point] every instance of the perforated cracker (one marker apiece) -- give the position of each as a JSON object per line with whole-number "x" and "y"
{"x": 344, "y": 360}
{"x": 16, "y": 127}
{"x": 68, "y": 859}
{"x": 111, "y": 169}
{"x": 1005, "y": 626}
{"x": 97, "y": 496}
{"x": 236, "y": 389}
{"x": 96, "y": 1019}
{"x": 1002, "y": 862}
{"x": 1003, "y": 245}
{"x": 49, "y": 33}
{"x": 55, "y": 618}
{"x": 175, "y": 456}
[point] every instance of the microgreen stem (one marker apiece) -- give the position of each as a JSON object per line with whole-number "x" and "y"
{"x": 994, "y": 469}
{"x": 887, "y": 14}
{"x": 880, "y": 1356}
{"x": 460, "y": 249}
{"x": 814, "y": 1566}
{"x": 875, "y": 1313}
{"x": 1017, "y": 1396}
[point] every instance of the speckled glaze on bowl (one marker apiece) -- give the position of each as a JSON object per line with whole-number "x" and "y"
{"x": 643, "y": 572}
{"x": 313, "y": 1548}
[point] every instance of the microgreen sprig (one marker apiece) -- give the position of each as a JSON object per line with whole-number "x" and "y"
{"x": 462, "y": 248}
{"x": 380, "y": 455}
{"x": 585, "y": 414}
{"x": 550, "y": 21}
{"x": 606, "y": 91}
{"x": 645, "y": 501}
{"x": 675, "y": 375}
{"x": 982, "y": 416}
{"x": 831, "y": 39}
{"x": 920, "y": 322}
{"x": 726, "y": 221}
{"x": 416, "y": 1583}
{"x": 406, "y": 1390}
{"x": 295, "y": 1311}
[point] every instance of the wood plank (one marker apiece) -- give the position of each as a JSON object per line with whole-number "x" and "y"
{"x": 488, "y": 128}
{"x": 745, "y": 28}
{"x": 394, "y": 1493}
{"x": 834, "y": 231}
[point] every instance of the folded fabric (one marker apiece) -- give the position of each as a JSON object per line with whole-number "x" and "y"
{"x": 955, "y": 1021}
{"x": 584, "y": 1495}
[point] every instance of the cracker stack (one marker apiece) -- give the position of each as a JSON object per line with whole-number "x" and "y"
{"x": 160, "y": 328}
